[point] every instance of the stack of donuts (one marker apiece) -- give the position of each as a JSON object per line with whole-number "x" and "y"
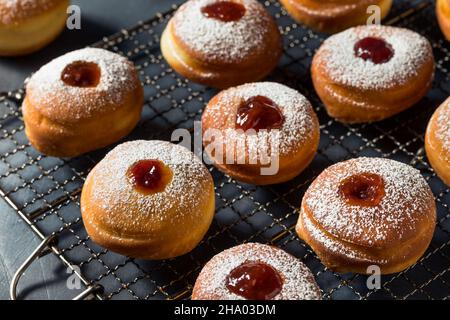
{"x": 156, "y": 200}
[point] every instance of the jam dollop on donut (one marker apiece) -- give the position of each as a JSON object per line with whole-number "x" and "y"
{"x": 364, "y": 189}
{"x": 149, "y": 176}
{"x": 374, "y": 49}
{"x": 259, "y": 113}
{"x": 255, "y": 281}
{"x": 81, "y": 74}
{"x": 226, "y": 11}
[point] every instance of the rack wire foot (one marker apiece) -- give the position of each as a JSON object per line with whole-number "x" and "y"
{"x": 44, "y": 248}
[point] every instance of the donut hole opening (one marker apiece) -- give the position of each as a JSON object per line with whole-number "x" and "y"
{"x": 374, "y": 49}
{"x": 149, "y": 176}
{"x": 81, "y": 74}
{"x": 225, "y": 11}
{"x": 259, "y": 113}
{"x": 255, "y": 281}
{"x": 365, "y": 189}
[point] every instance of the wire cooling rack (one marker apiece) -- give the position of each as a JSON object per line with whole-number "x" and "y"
{"x": 45, "y": 191}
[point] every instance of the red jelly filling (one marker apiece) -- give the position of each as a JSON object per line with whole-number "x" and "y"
{"x": 149, "y": 176}
{"x": 259, "y": 113}
{"x": 365, "y": 189}
{"x": 81, "y": 74}
{"x": 225, "y": 11}
{"x": 255, "y": 281}
{"x": 374, "y": 49}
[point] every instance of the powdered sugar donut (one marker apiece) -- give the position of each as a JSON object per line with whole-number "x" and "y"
{"x": 368, "y": 211}
{"x": 255, "y": 272}
{"x": 222, "y": 43}
{"x": 369, "y": 73}
{"x": 251, "y": 129}
{"x": 334, "y": 15}
{"x": 82, "y": 101}
{"x": 148, "y": 199}
{"x": 28, "y": 25}
{"x": 437, "y": 141}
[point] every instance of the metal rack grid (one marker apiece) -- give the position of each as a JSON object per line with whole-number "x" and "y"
{"x": 45, "y": 191}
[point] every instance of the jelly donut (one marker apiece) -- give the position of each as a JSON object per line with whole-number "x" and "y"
{"x": 260, "y": 133}
{"x": 368, "y": 211}
{"x": 148, "y": 199}
{"x": 370, "y": 73}
{"x": 222, "y": 43}
{"x": 29, "y": 25}
{"x": 255, "y": 272}
{"x": 82, "y": 101}
{"x": 334, "y": 15}
{"x": 443, "y": 16}
{"x": 437, "y": 142}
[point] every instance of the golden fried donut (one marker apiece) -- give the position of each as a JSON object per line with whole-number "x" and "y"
{"x": 334, "y": 15}
{"x": 437, "y": 142}
{"x": 443, "y": 16}
{"x": 149, "y": 200}
{"x": 258, "y": 126}
{"x": 29, "y": 25}
{"x": 368, "y": 211}
{"x": 222, "y": 43}
{"x": 370, "y": 73}
{"x": 82, "y": 101}
{"x": 255, "y": 272}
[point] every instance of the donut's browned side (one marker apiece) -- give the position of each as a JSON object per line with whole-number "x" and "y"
{"x": 333, "y": 16}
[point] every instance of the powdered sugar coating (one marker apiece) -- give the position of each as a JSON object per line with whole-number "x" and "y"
{"x": 52, "y": 96}
{"x": 298, "y": 283}
{"x": 411, "y": 52}
{"x": 218, "y": 40}
{"x": 118, "y": 197}
{"x": 299, "y": 124}
{"x": 12, "y": 11}
{"x": 408, "y": 201}
{"x": 443, "y": 128}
